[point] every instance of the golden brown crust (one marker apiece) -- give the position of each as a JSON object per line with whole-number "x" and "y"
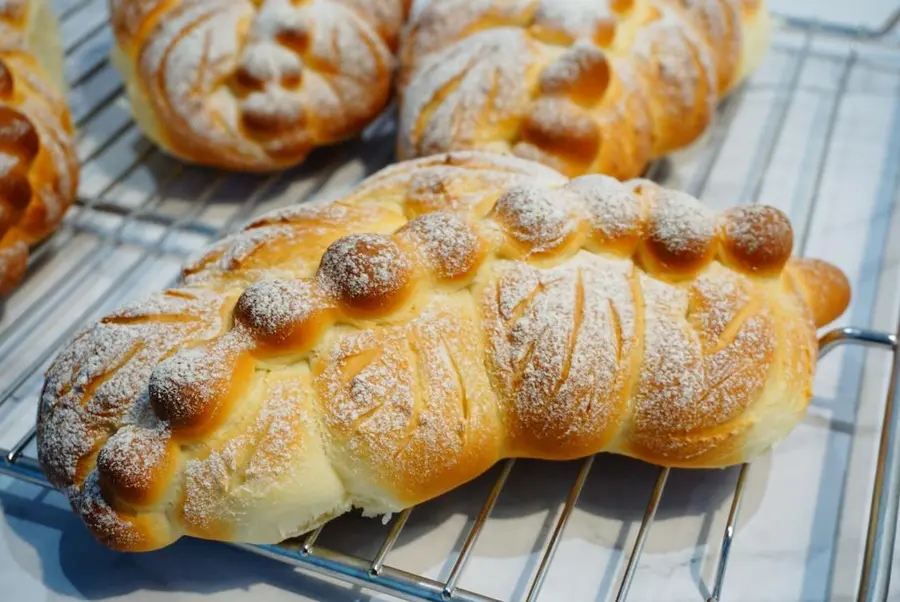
{"x": 38, "y": 165}
{"x": 600, "y": 87}
{"x": 255, "y": 86}
{"x": 756, "y": 238}
{"x": 824, "y": 288}
{"x": 450, "y": 311}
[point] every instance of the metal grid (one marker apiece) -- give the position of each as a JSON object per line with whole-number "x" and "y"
{"x": 146, "y": 213}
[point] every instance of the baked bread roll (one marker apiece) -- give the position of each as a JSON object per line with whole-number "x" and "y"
{"x": 38, "y": 164}
{"x": 255, "y": 86}
{"x": 451, "y": 311}
{"x": 600, "y": 86}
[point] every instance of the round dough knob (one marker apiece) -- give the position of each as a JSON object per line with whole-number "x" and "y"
{"x": 437, "y": 189}
{"x": 562, "y": 129}
{"x": 581, "y": 73}
{"x": 367, "y": 274}
{"x": 136, "y": 465}
{"x": 294, "y": 34}
{"x": 17, "y": 135}
{"x": 680, "y": 234}
{"x": 449, "y": 247}
{"x": 616, "y": 215}
{"x": 272, "y": 111}
{"x": 194, "y": 389}
{"x": 537, "y": 219}
{"x": 265, "y": 62}
{"x": 429, "y": 190}
{"x": 283, "y": 315}
{"x": 757, "y": 239}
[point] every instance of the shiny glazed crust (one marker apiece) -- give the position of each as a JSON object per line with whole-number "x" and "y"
{"x": 255, "y": 86}
{"x": 450, "y": 311}
{"x": 584, "y": 87}
{"x": 38, "y": 165}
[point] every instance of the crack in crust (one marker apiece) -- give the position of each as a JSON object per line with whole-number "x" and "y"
{"x": 584, "y": 87}
{"x": 38, "y": 165}
{"x": 255, "y": 86}
{"x": 264, "y": 400}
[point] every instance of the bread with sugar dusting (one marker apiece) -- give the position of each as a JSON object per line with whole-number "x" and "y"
{"x": 255, "y": 86}
{"x": 450, "y": 311}
{"x": 38, "y": 164}
{"x": 584, "y": 86}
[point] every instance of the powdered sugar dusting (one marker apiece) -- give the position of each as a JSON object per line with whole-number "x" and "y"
{"x": 680, "y": 223}
{"x": 587, "y": 354}
{"x": 284, "y": 423}
{"x": 482, "y": 84}
{"x": 103, "y": 520}
{"x": 486, "y": 173}
{"x": 703, "y": 366}
{"x": 133, "y": 454}
{"x": 447, "y": 243}
{"x": 577, "y": 18}
{"x": 682, "y": 62}
{"x": 189, "y": 58}
{"x": 614, "y": 211}
{"x": 538, "y": 216}
{"x": 187, "y": 386}
{"x": 261, "y": 248}
{"x": 267, "y": 61}
{"x": 99, "y": 381}
{"x": 718, "y": 21}
{"x": 360, "y": 267}
{"x": 560, "y": 120}
{"x": 395, "y": 401}
{"x": 30, "y": 213}
{"x": 759, "y": 232}
{"x": 438, "y": 23}
{"x": 224, "y": 487}
{"x": 454, "y": 65}
{"x": 271, "y": 307}
{"x": 191, "y": 51}
{"x": 579, "y": 60}
{"x": 558, "y": 342}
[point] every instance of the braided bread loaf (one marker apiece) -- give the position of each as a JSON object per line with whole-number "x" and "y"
{"x": 379, "y": 350}
{"x": 584, "y": 86}
{"x": 255, "y": 85}
{"x": 38, "y": 165}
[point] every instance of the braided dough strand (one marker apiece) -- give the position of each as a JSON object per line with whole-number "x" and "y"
{"x": 379, "y": 350}
{"x": 38, "y": 165}
{"x": 584, "y": 86}
{"x": 255, "y": 86}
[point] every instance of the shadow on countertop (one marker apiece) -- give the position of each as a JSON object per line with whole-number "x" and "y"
{"x": 71, "y": 563}
{"x": 50, "y": 543}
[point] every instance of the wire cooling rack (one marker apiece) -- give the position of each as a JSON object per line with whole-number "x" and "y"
{"x": 141, "y": 214}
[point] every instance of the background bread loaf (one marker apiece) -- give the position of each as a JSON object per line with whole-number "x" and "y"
{"x": 255, "y": 86}
{"x": 379, "y": 350}
{"x": 38, "y": 165}
{"x": 597, "y": 86}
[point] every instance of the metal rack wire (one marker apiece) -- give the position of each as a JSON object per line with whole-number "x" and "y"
{"x": 134, "y": 198}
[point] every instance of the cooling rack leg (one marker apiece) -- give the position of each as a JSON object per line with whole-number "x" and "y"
{"x": 827, "y": 343}
{"x": 24, "y": 469}
{"x": 475, "y": 531}
{"x": 388, "y": 544}
{"x": 729, "y": 534}
{"x": 538, "y": 582}
{"x": 649, "y": 515}
{"x": 876, "y": 573}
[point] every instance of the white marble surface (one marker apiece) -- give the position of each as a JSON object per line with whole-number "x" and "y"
{"x": 799, "y": 537}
